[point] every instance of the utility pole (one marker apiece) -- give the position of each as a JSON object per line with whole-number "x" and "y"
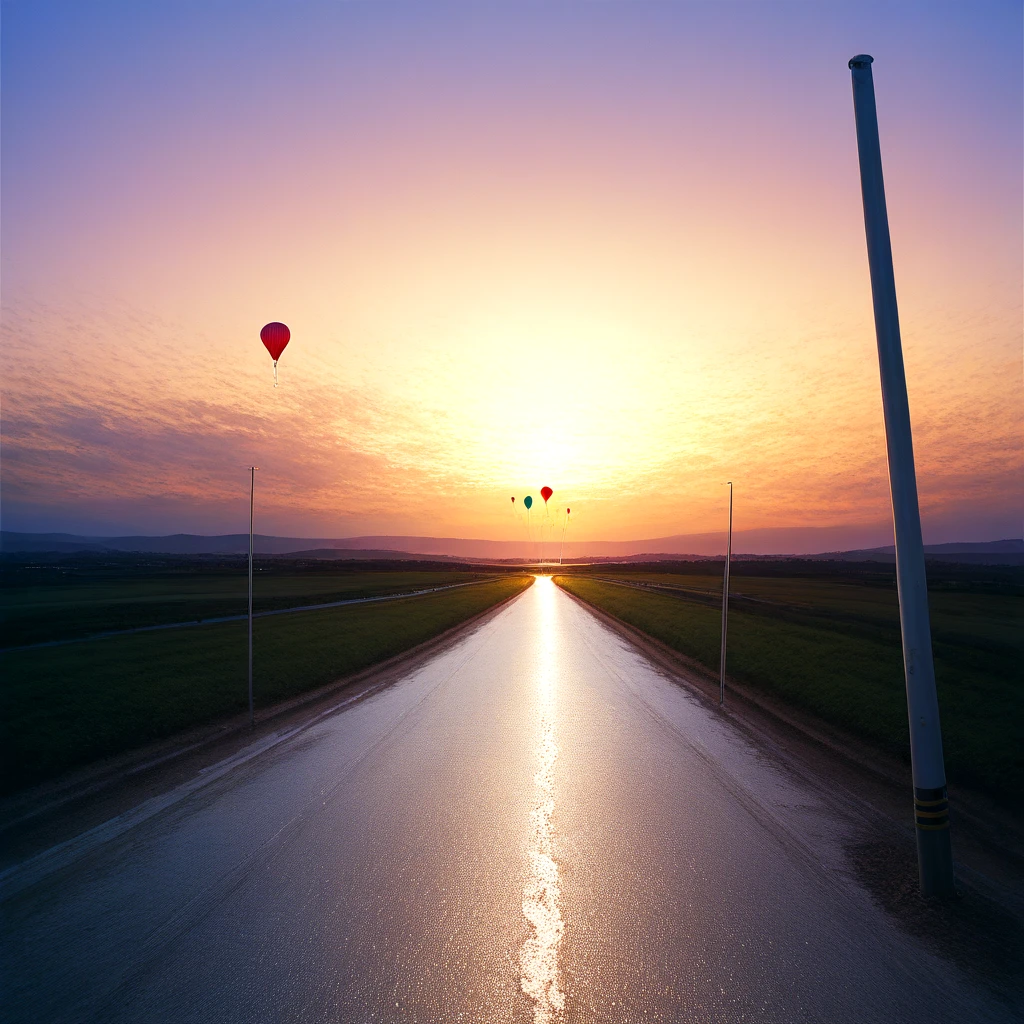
{"x": 725, "y": 604}
{"x": 931, "y": 807}
{"x": 252, "y": 490}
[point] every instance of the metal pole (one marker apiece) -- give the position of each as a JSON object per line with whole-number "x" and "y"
{"x": 725, "y": 604}
{"x": 252, "y": 489}
{"x": 931, "y": 807}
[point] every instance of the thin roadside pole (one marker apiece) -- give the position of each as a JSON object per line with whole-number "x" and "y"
{"x": 931, "y": 806}
{"x": 252, "y": 490}
{"x": 725, "y": 604}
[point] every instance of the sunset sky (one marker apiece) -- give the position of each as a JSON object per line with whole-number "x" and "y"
{"x": 615, "y": 248}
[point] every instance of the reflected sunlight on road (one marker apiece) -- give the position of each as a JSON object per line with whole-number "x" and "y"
{"x": 538, "y": 959}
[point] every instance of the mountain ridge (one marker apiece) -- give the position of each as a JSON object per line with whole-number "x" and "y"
{"x": 708, "y": 545}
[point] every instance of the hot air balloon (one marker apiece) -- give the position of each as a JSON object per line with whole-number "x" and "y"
{"x": 528, "y": 502}
{"x": 275, "y": 336}
{"x": 513, "y": 499}
{"x": 545, "y": 493}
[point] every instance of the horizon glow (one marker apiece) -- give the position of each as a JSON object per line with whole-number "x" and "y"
{"x": 618, "y": 250}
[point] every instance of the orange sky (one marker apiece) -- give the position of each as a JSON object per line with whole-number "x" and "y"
{"x": 511, "y": 253}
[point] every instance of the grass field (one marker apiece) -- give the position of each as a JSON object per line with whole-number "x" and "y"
{"x": 65, "y": 706}
{"x": 78, "y": 597}
{"x": 832, "y": 647}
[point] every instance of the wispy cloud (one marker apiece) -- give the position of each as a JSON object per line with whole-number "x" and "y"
{"x": 106, "y": 416}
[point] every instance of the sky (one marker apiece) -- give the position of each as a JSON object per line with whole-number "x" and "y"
{"x": 612, "y": 248}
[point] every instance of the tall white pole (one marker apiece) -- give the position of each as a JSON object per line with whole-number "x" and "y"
{"x": 725, "y": 605}
{"x": 252, "y": 489}
{"x": 931, "y": 807}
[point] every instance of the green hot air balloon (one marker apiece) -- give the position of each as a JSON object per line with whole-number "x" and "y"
{"x": 528, "y": 501}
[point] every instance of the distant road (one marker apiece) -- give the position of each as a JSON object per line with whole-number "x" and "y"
{"x": 535, "y": 825}
{"x": 238, "y": 618}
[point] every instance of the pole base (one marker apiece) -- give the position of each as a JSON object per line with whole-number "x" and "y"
{"x": 935, "y": 863}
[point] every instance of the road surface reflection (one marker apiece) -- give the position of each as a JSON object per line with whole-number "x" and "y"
{"x": 538, "y": 959}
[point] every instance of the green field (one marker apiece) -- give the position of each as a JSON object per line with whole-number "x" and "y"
{"x": 832, "y": 647}
{"x": 81, "y": 596}
{"x": 67, "y": 705}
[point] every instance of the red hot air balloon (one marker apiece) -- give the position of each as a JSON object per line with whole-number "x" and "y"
{"x": 568, "y": 510}
{"x": 513, "y": 499}
{"x": 275, "y": 336}
{"x": 545, "y": 493}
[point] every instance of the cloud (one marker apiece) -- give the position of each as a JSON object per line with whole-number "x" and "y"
{"x": 114, "y": 414}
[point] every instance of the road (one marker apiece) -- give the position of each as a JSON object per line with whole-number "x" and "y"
{"x": 535, "y": 825}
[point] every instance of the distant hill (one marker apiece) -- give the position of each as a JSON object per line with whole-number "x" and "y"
{"x": 175, "y": 544}
{"x": 778, "y": 543}
{"x": 365, "y": 554}
{"x": 994, "y": 552}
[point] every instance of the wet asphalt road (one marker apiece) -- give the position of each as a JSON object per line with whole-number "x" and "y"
{"x": 536, "y": 825}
